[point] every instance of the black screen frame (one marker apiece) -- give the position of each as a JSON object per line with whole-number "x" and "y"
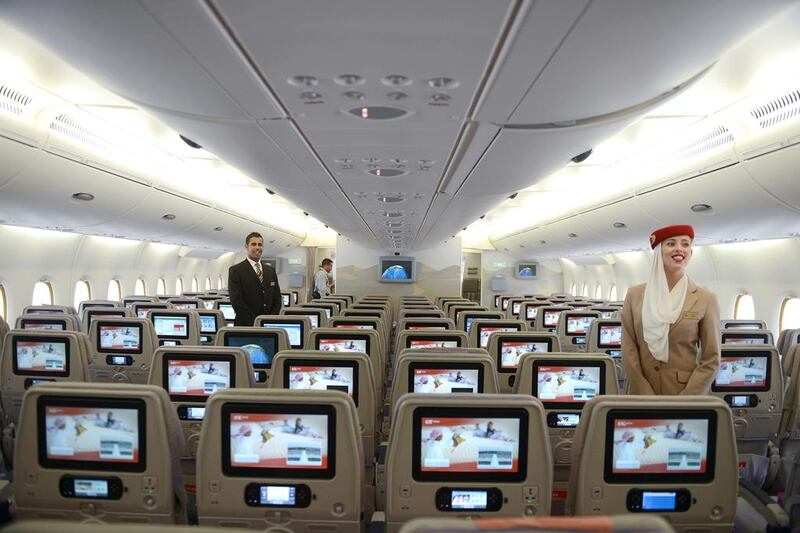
{"x": 576, "y": 314}
{"x": 23, "y": 322}
{"x": 504, "y": 338}
{"x": 200, "y": 358}
{"x": 240, "y": 334}
{"x": 160, "y": 314}
{"x": 762, "y": 354}
{"x": 740, "y": 335}
{"x": 34, "y": 338}
{"x": 112, "y": 323}
{"x": 549, "y": 404}
{"x": 216, "y": 322}
{"x": 495, "y": 324}
{"x": 347, "y": 337}
{"x": 600, "y": 332}
{"x": 290, "y": 322}
{"x": 433, "y": 338}
{"x": 325, "y": 363}
{"x": 445, "y": 365}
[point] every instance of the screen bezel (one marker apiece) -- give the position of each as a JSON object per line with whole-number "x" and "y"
{"x": 200, "y": 358}
{"x": 498, "y": 324}
{"x": 761, "y": 354}
{"x": 216, "y": 322}
{"x": 344, "y": 322}
{"x": 345, "y": 336}
{"x": 504, "y": 338}
{"x": 307, "y": 314}
{"x": 239, "y": 334}
{"x": 663, "y": 478}
{"x": 385, "y": 262}
{"x": 740, "y": 335}
{"x": 290, "y": 322}
{"x": 570, "y": 314}
{"x": 743, "y": 325}
{"x": 428, "y": 325}
{"x": 444, "y": 365}
{"x": 432, "y": 338}
{"x": 112, "y": 323}
{"x": 519, "y": 266}
{"x": 41, "y": 373}
{"x": 608, "y": 346}
{"x": 477, "y": 317}
{"x": 62, "y": 322}
{"x": 478, "y": 412}
{"x": 94, "y": 403}
{"x": 284, "y": 409}
{"x": 549, "y": 404}
{"x": 104, "y": 313}
{"x": 325, "y": 363}
{"x": 155, "y": 314}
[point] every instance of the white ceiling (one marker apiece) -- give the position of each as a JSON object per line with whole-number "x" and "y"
{"x": 531, "y": 84}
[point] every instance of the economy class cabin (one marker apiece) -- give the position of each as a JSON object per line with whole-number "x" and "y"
{"x": 485, "y": 177}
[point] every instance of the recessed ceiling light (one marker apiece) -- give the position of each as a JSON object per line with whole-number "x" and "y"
{"x": 378, "y": 112}
{"x": 394, "y": 224}
{"x": 620, "y": 225}
{"x": 386, "y": 172}
{"x": 390, "y": 198}
{"x": 702, "y": 209}
{"x": 304, "y": 81}
{"x": 349, "y": 79}
{"x": 443, "y": 83}
{"x": 393, "y": 214}
{"x": 542, "y": 242}
{"x": 219, "y": 228}
{"x": 440, "y": 98}
{"x": 83, "y": 196}
{"x": 572, "y": 235}
{"x": 396, "y": 80}
{"x": 168, "y": 216}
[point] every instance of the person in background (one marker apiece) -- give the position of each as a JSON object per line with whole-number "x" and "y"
{"x": 252, "y": 285}
{"x": 322, "y": 285}
{"x": 670, "y": 326}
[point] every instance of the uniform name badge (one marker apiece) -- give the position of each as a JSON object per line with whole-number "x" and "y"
{"x": 691, "y": 315}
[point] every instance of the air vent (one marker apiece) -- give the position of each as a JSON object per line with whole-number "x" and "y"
{"x": 777, "y": 110}
{"x": 712, "y": 140}
{"x": 13, "y": 101}
{"x": 68, "y": 126}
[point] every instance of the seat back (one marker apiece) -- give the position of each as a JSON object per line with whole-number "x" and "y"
{"x": 729, "y": 323}
{"x": 121, "y": 349}
{"x": 348, "y": 372}
{"x": 49, "y": 310}
{"x": 750, "y": 381}
{"x": 316, "y": 315}
{"x": 344, "y": 301}
{"x": 423, "y": 338}
{"x": 529, "y": 309}
{"x": 129, "y": 301}
{"x": 211, "y": 320}
{"x": 506, "y": 349}
{"x": 140, "y": 309}
{"x": 366, "y": 341}
{"x": 88, "y": 304}
{"x": 454, "y": 311}
{"x": 547, "y": 524}
{"x": 605, "y": 336}
{"x": 297, "y": 328}
{"x": 331, "y": 309}
{"x": 176, "y": 327}
{"x": 514, "y": 308}
{"x": 31, "y": 357}
{"x": 746, "y": 336}
{"x": 420, "y": 313}
{"x": 190, "y": 374}
{"x": 298, "y": 450}
{"x": 363, "y": 322}
{"x": 93, "y": 313}
{"x": 467, "y": 318}
{"x": 261, "y": 345}
{"x": 640, "y": 453}
{"x": 606, "y": 311}
{"x": 227, "y": 309}
{"x": 286, "y": 299}
{"x": 481, "y": 330}
{"x": 573, "y": 329}
{"x": 783, "y": 341}
{"x": 99, "y": 452}
{"x": 48, "y": 322}
{"x": 187, "y": 303}
{"x": 548, "y": 316}
{"x": 446, "y": 450}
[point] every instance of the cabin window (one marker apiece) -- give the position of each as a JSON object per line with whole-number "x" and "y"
{"x": 83, "y": 292}
{"x": 598, "y": 292}
{"x": 161, "y": 287}
{"x": 612, "y": 294}
{"x": 585, "y": 291}
{"x": 220, "y": 285}
{"x": 42, "y": 293}
{"x": 208, "y": 283}
{"x": 114, "y": 291}
{"x": 3, "y": 305}
{"x": 140, "y": 289}
{"x": 790, "y": 313}
{"x": 743, "y": 308}
{"x": 574, "y": 289}
{"x": 194, "y": 284}
{"x": 179, "y": 286}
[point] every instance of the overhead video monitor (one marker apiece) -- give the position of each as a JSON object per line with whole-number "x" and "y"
{"x": 743, "y": 372}
{"x": 38, "y": 356}
{"x": 444, "y": 377}
{"x": 526, "y": 271}
{"x": 173, "y": 326}
{"x": 261, "y": 347}
{"x": 194, "y": 378}
{"x": 278, "y": 441}
{"x": 551, "y": 318}
{"x": 343, "y": 344}
{"x": 43, "y": 324}
{"x": 227, "y": 311}
{"x": 578, "y": 324}
{"x": 208, "y": 323}
{"x": 294, "y": 330}
{"x": 91, "y": 434}
{"x": 397, "y": 269}
{"x": 660, "y": 446}
{"x": 512, "y": 348}
{"x": 484, "y": 445}
{"x": 119, "y": 338}
{"x": 745, "y": 338}
{"x": 314, "y": 317}
{"x": 485, "y": 330}
{"x": 609, "y": 336}
{"x": 566, "y": 384}
{"x": 432, "y": 342}
{"x": 316, "y": 374}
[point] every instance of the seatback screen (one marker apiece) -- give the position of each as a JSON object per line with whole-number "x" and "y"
{"x": 738, "y": 338}
{"x": 293, "y": 331}
{"x": 176, "y": 326}
{"x": 260, "y": 348}
{"x": 564, "y": 385}
{"x": 342, "y": 345}
{"x": 445, "y": 380}
{"x": 307, "y": 376}
{"x": 47, "y": 326}
{"x": 432, "y": 343}
{"x": 208, "y": 324}
{"x": 551, "y": 318}
{"x": 39, "y": 356}
{"x": 227, "y": 311}
{"x": 743, "y": 372}
{"x": 354, "y": 326}
{"x": 312, "y": 316}
{"x": 579, "y": 325}
{"x": 120, "y": 338}
{"x": 609, "y": 336}
{"x": 511, "y": 351}
{"x": 485, "y": 331}
{"x": 197, "y": 378}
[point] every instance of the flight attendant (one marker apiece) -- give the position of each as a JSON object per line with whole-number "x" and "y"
{"x": 670, "y": 326}
{"x": 253, "y": 285}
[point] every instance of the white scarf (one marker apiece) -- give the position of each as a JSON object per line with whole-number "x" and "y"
{"x": 661, "y": 307}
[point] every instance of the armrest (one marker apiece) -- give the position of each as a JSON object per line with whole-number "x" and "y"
{"x": 776, "y": 517}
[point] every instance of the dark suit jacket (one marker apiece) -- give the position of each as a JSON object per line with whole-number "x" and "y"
{"x": 248, "y": 297}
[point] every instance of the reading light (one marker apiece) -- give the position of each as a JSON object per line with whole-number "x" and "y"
{"x": 349, "y": 79}
{"x": 355, "y": 95}
{"x": 396, "y": 80}
{"x": 573, "y": 235}
{"x": 443, "y": 83}
{"x": 703, "y": 209}
{"x": 304, "y": 81}
{"x": 378, "y": 112}
{"x": 310, "y": 95}
{"x": 218, "y": 228}
{"x": 620, "y": 225}
{"x": 83, "y": 196}
{"x": 396, "y": 96}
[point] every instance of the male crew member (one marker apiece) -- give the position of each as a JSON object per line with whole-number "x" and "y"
{"x": 252, "y": 285}
{"x": 322, "y": 287}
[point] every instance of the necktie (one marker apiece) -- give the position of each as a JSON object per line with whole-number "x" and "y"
{"x": 259, "y": 273}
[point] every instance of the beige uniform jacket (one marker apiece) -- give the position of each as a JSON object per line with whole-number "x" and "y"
{"x": 694, "y": 346}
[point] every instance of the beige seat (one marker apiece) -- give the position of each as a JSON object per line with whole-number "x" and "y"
{"x": 421, "y": 338}
{"x": 363, "y": 322}
{"x": 514, "y": 308}
{"x": 616, "y": 524}
{"x": 529, "y": 309}
{"x": 548, "y": 316}
{"x": 87, "y": 304}
{"x": 564, "y": 382}
{"x": 746, "y": 336}
{"x": 605, "y": 336}
{"x": 384, "y": 308}
{"x": 420, "y": 313}
{"x": 48, "y": 322}
{"x": 606, "y": 311}
{"x": 93, "y": 313}
{"x": 208, "y": 300}
{"x": 176, "y": 327}
{"x": 105, "y": 453}
{"x": 436, "y": 440}
{"x": 750, "y": 381}
{"x": 412, "y": 323}
{"x": 466, "y": 318}
{"x": 211, "y": 320}
{"x": 297, "y": 328}
{"x": 454, "y": 311}
{"x": 316, "y": 315}
{"x": 481, "y": 330}
{"x": 140, "y": 309}
{"x": 49, "y": 310}
{"x": 441, "y": 300}
{"x": 189, "y": 375}
{"x": 256, "y": 446}
{"x": 366, "y": 341}
{"x": 261, "y": 344}
{"x": 331, "y": 308}
{"x": 631, "y": 454}
{"x": 573, "y": 329}
{"x": 130, "y": 301}
{"x": 506, "y": 349}
{"x": 729, "y": 323}
{"x": 3, "y": 330}
{"x": 186, "y": 303}
{"x": 48, "y": 526}
{"x": 784, "y": 339}
{"x": 122, "y": 349}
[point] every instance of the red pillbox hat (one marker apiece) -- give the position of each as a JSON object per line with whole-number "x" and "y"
{"x": 662, "y": 234}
